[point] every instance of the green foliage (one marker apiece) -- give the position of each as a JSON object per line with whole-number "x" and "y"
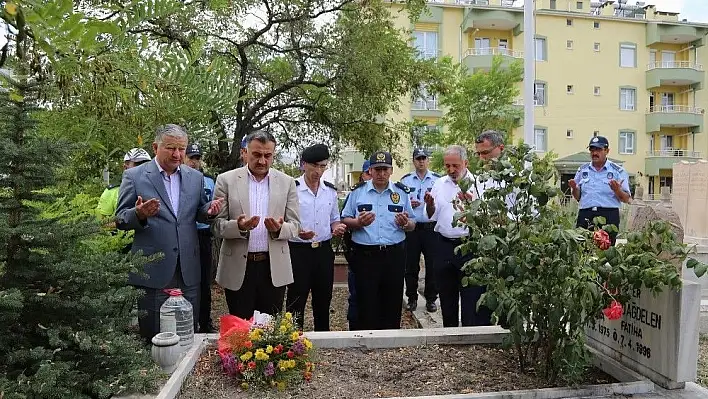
{"x": 481, "y": 101}
{"x": 545, "y": 278}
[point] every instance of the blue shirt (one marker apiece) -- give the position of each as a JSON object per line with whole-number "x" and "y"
{"x": 418, "y": 188}
{"x": 209, "y": 191}
{"x": 595, "y": 188}
{"x": 385, "y": 205}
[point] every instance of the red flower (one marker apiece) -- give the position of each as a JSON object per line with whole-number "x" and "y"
{"x": 291, "y": 354}
{"x": 278, "y": 349}
{"x": 251, "y": 365}
{"x": 241, "y": 367}
{"x": 614, "y": 311}
{"x": 601, "y": 239}
{"x": 248, "y": 344}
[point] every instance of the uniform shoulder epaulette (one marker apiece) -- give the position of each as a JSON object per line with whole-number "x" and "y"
{"x": 434, "y": 174}
{"x": 403, "y": 187}
{"x": 616, "y": 167}
{"x": 330, "y": 185}
{"x": 585, "y": 165}
{"x": 406, "y": 175}
{"x": 360, "y": 184}
{"x": 297, "y": 182}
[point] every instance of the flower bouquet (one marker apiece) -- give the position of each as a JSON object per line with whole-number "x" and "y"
{"x": 265, "y": 350}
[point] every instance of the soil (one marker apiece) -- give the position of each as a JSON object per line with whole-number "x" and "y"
{"x": 337, "y": 313}
{"x": 702, "y": 377}
{"x": 411, "y": 371}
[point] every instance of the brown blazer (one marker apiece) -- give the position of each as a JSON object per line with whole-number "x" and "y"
{"x": 282, "y": 202}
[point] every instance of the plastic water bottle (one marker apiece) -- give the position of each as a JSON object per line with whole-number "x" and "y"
{"x": 176, "y": 316}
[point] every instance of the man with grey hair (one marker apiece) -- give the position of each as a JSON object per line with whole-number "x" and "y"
{"x": 448, "y": 267}
{"x": 161, "y": 201}
{"x": 489, "y": 145}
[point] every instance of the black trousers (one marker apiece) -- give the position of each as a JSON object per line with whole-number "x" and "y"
{"x": 256, "y": 293}
{"x": 207, "y": 278}
{"x": 378, "y": 277}
{"x": 150, "y": 303}
{"x": 611, "y": 215}
{"x": 313, "y": 271}
{"x": 420, "y": 240}
{"x": 453, "y": 296}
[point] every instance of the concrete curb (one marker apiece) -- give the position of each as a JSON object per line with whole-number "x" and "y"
{"x": 174, "y": 385}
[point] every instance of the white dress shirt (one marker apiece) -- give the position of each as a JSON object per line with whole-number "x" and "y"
{"x": 317, "y": 210}
{"x": 444, "y": 192}
{"x": 258, "y": 193}
{"x": 173, "y": 184}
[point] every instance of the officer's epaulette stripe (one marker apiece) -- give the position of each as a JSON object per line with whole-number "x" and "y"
{"x": 616, "y": 167}
{"x": 403, "y": 187}
{"x": 406, "y": 175}
{"x": 297, "y": 182}
{"x": 330, "y": 185}
{"x": 360, "y": 184}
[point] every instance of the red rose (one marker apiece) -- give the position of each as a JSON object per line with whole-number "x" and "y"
{"x": 248, "y": 344}
{"x": 601, "y": 239}
{"x": 278, "y": 349}
{"x": 291, "y": 354}
{"x": 614, "y": 311}
{"x": 241, "y": 367}
{"x": 251, "y": 365}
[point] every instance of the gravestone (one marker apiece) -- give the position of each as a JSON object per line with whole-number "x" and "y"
{"x": 690, "y": 199}
{"x": 657, "y": 336}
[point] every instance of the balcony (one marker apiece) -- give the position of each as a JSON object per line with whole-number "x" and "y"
{"x": 481, "y": 58}
{"x": 426, "y": 107}
{"x": 675, "y": 73}
{"x": 675, "y": 33}
{"x": 492, "y": 15}
{"x": 681, "y": 116}
{"x": 666, "y": 158}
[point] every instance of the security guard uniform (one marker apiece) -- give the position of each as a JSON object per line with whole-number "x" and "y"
{"x": 596, "y": 196}
{"x": 313, "y": 260}
{"x": 378, "y": 258}
{"x": 421, "y": 240}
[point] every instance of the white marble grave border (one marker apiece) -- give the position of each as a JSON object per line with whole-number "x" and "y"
{"x": 631, "y": 383}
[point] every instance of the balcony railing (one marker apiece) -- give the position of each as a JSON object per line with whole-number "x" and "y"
{"x": 678, "y": 109}
{"x": 670, "y": 152}
{"x": 674, "y": 65}
{"x": 495, "y": 51}
{"x": 425, "y": 105}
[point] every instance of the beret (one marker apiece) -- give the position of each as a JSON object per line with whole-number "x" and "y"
{"x": 315, "y": 153}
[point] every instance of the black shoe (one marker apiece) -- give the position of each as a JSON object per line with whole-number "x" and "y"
{"x": 412, "y": 305}
{"x": 431, "y": 307}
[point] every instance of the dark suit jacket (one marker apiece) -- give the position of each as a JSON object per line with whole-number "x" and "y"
{"x": 174, "y": 235}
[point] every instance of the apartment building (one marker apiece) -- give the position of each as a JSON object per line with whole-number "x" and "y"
{"x": 631, "y": 73}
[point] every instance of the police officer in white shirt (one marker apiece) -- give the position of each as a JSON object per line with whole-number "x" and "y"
{"x": 439, "y": 207}
{"x": 311, "y": 252}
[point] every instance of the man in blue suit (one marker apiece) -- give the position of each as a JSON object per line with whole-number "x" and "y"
{"x": 161, "y": 201}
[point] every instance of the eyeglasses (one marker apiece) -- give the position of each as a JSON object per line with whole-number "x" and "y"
{"x": 486, "y": 152}
{"x": 320, "y": 166}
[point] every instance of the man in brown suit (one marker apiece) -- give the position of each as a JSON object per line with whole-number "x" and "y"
{"x": 258, "y": 217}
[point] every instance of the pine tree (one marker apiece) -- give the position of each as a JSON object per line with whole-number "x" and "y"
{"x": 64, "y": 303}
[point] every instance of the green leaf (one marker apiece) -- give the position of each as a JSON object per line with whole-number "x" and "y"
{"x": 487, "y": 243}
{"x": 699, "y": 268}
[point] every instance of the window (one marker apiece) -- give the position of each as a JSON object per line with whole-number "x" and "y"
{"x": 569, "y": 89}
{"x": 539, "y": 94}
{"x": 539, "y": 139}
{"x": 568, "y": 22}
{"x": 569, "y": 44}
{"x": 540, "y": 49}
{"x": 596, "y": 24}
{"x": 426, "y": 43}
{"x": 596, "y": 90}
{"x": 626, "y": 143}
{"x": 596, "y": 47}
{"x": 579, "y": 5}
{"x": 569, "y": 134}
{"x": 425, "y": 101}
{"x": 627, "y": 99}
{"x": 553, "y": 4}
{"x": 628, "y": 56}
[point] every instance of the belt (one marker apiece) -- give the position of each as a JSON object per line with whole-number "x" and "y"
{"x": 378, "y": 248}
{"x": 425, "y": 226}
{"x": 257, "y": 256}
{"x": 452, "y": 240}
{"x": 599, "y": 208}
{"x": 314, "y": 245}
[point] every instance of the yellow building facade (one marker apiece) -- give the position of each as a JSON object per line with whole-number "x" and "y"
{"x": 630, "y": 73}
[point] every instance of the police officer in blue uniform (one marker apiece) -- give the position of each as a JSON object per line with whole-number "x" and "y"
{"x": 379, "y": 213}
{"x": 193, "y": 159}
{"x": 422, "y": 239}
{"x": 600, "y": 187}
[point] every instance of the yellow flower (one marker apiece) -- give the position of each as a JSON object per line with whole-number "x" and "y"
{"x": 294, "y": 336}
{"x": 283, "y": 329}
{"x": 307, "y": 343}
{"x": 255, "y": 334}
{"x": 288, "y": 316}
{"x": 262, "y": 356}
{"x": 281, "y": 385}
{"x": 269, "y": 349}
{"x": 246, "y": 356}
{"x": 244, "y": 385}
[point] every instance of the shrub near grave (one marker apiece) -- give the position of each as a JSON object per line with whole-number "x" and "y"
{"x": 546, "y": 280}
